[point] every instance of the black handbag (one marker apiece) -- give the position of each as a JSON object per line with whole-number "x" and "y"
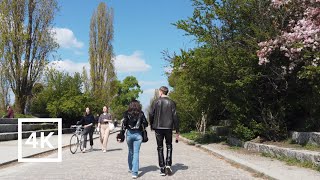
{"x": 144, "y": 135}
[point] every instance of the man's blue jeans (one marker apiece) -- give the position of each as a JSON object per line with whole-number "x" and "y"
{"x": 134, "y": 140}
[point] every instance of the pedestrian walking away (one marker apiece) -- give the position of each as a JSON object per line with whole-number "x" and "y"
{"x": 163, "y": 119}
{"x": 134, "y": 121}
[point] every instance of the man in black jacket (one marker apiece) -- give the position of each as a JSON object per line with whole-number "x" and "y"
{"x": 163, "y": 119}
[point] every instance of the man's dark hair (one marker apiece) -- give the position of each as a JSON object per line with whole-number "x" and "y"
{"x": 164, "y": 90}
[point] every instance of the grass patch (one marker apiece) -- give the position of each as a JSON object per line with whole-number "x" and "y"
{"x": 311, "y": 147}
{"x": 209, "y": 137}
{"x": 293, "y": 161}
{"x": 191, "y": 135}
{"x": 234, "y": 147}
{"x": 16, "y": 115}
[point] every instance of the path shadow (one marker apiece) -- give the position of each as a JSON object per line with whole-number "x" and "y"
{"x": 147, "y": 169}
{"x": 178, "y": 167}
{"x": 96, "y": 149}
{"x": 117, "y": 149}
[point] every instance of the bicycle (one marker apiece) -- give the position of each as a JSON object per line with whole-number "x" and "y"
{"x": 75, "y": 141}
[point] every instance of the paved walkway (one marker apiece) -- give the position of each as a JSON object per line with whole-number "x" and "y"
{"x": 9, "y": 149}
{"x": 272, "y": 168}
{"x": 188, "y": 163}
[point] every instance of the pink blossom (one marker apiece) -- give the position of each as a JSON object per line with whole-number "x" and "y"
{"x": 299, "y": 36}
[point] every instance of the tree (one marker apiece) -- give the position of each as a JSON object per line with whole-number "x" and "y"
{"x": 85, "y": 79}
{"x": 4, "y": 89}
{"x": 61, "y": 96}
{"x": 26, "y": 38}
{"x": 217, "y": 80}
{"x": 127, "y": 90}
{"x": 155, "y": 96}
{"x": 102, "y": 71}
{"x": 299, "y": 32}
{"x": 222, "y": 78}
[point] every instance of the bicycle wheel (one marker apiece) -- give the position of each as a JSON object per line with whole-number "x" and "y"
{"x": 74, "y": 143}
{"x": 81, "y": 142}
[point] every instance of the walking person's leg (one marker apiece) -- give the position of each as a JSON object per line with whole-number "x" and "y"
{"x": 91, "y": 137}
{"x": 85, "y": 134}
{"x": 105, "y": 138}
{"x": 159, "y": 138}
{"x": 136, "y": 149}
{"x": 168, "y": 137}
{"x": 130, "y": 150}
{"x": 102, "y": 131}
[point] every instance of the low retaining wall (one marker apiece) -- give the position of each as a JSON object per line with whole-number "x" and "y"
{"x": 301, "y": 155}
{"x": 4, "y": 128}
{"x": 306, "y": 137}
{"x": 14, "y": 135}
{"x": 8, "y": 121}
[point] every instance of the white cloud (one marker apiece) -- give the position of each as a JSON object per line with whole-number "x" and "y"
{"x": 69, "y": 66}
{"x": 152, "y": 83}
{"x": 66, "y": 38}
{"x": 145, "y": 97}
{"x": 168, "y": 69}
{"x": 131, "y": 63}
{"x": 149, "y": 92}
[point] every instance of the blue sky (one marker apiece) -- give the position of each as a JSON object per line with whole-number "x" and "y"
{"x": 142, "y": 30}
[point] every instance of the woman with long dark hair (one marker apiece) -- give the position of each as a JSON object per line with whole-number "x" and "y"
{"x": 133, "y": 123}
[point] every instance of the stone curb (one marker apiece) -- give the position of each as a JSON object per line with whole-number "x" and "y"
{"x": 243, "y": 164}
{"x": 41, "y": 153}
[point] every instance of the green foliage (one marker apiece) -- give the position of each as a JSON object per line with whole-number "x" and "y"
{"x": 23, "y": 116}
{"x": 102, "y": 71}
{"x": 127, "y": 90}
{"x": 244, "y": 133}
{"x": 62, "y": 96}
{"x": 206, "y": 138}
{"x": 223, "y": 80}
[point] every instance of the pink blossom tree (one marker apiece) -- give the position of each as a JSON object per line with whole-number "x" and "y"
{"x": 299, "y": 35}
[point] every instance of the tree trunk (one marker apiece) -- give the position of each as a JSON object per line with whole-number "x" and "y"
{"x": 20, "y": 103}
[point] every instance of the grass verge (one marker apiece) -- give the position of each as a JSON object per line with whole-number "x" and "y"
{"x": 293, "y": 161}
{"x": 209, "y": 137}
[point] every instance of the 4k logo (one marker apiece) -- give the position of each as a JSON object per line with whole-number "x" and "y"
{"x": 45, "y": 141}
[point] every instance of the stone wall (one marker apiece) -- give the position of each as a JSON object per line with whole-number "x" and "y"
{"x": 301, "y": 155}
{"x": 4, "y": 128}
{"x": 306, "y": 137}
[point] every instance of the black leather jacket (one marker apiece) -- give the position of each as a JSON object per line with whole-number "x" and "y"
{"x": 133, "y": 123}
{"x": 163, "y": 114}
